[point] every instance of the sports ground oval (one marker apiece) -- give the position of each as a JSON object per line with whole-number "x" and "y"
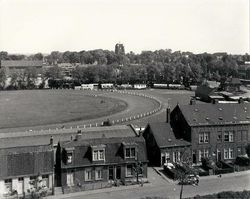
{"x": 38, "y": 109}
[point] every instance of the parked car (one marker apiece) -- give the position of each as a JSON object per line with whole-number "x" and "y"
{"x": 190, "y": 179}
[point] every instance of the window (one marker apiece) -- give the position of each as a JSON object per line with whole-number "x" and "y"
{"x": 203, "y": 137}
{"x": 229, "y": 136}
{"x": 176, "y": 156}
{"x": 130, "y": 152}
{"x": 70, "y": 178}
{"x": 226, "y": 155}
{"x": 88, "y": 174}
{"x": 98, "y": 174}
{"x": 204, "y": 153}
{"x": 219, "y": 137}
{"x": 8, "y": 185}
{"x": 226, "y": 136}
{"x": 69, "y": 157}
{"x": 231, "y": 153}
{"x": 167, "y": 155}
{"x": 129, "y": 171}
{"x": 98, "y": 155}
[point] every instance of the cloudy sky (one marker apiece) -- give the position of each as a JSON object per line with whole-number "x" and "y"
{"x": 30, "y": 26}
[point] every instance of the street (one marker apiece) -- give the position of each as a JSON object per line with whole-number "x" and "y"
{"x": 160, "y": 187}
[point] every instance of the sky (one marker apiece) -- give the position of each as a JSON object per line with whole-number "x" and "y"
{"x": 32, "y": 26}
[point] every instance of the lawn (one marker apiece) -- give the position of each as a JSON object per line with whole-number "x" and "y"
{"x": 39, "y": 107}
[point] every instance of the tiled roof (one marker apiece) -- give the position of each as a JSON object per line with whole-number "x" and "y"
{"x": 113, "y": 150}
{"x": 43, "y": 137}
{"x": 21, "y": 63}
{"x": 216, "y": 114}
{"x": 164, "y": 135}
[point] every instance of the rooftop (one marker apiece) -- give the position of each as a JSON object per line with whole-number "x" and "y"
{"x": 164, "y": 135}
{"x": 21, "y": 63}
{"x": 216, "y": 114}
{"x": 43, "y": 137}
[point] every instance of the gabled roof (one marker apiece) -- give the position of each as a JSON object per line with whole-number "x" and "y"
{"x": 21, "y": 63}
{"x": 216, "y": 114}
{"x": 164, "y": 135}
{"x": 43, "y": 137}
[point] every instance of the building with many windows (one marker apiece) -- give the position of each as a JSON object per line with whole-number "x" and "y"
{"x": 217, "y": 131}
{"x": 100, "y": 157}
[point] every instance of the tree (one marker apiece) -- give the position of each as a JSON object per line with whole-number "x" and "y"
{"x": 53, "y": 73}
{"x": 38, "y": 56}
{"x": 2, "y": 78}
{"x": 4, "y": 55}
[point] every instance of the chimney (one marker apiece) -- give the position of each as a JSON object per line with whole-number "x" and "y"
{"x": 192, "y": 101}
{"x": 168, "y": 115}
{"x": 51, "y": 140}
{"x": 78, "y": 135}
{"x": 140, "y": 133}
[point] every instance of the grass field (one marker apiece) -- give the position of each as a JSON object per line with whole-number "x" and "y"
{"x": 44, "y": 109}
{"x": 38, "y": 107}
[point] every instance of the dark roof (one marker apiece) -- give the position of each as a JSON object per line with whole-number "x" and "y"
{"x": 164, "y": 135}
{"x": 113, "y": 151}
{"x": 21, "y": 63}
{"x": 43, "y": 137}
{"x": 216, "y": 114}
{"x": 233, "y": 81}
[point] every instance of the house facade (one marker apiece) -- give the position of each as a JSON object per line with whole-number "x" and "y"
{"x": 101, "y": 157}
{"x": 217, "y": 131}
{"x": 19, "y": 65}
{"x": 24, "y": 169}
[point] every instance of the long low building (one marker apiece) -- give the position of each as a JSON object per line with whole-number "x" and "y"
{"x": 26, "y": 168}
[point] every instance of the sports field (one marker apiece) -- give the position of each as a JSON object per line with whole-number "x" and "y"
{"x": 44, "y": 109}
{"x": 39, "y": 107}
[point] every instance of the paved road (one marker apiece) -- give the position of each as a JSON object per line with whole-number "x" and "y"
{"x": 162, "y": 188}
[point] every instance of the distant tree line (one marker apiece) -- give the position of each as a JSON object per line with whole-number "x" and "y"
{"x": 160, "y": 66}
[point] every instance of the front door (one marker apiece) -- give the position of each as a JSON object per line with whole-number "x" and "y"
{"x": 118, "y": 172}
{"x": 163, "y": 160}
{"x": 218, "y": 155}
{"x": 70, "y": 179}
{"x": 111, "y": 173}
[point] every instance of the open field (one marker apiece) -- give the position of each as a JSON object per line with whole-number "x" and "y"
{"x": 43, "y": 109}
{"x": 40, "y": 107}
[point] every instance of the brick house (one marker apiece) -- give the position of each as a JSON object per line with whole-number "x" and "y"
{"x": 100, "y": 157}
{"x": 22, "y": 166}
{"x": 163, "y": 146}
{"x": 218, "y": 131}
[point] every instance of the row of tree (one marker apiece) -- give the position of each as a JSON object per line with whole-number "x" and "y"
{"x": 161, "y": 66}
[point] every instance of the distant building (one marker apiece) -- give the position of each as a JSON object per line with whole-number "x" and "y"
{"x": 140, "y": 86}
{"x": 119, "y": 49}
{"x": 20, "y": 65}
{"x": 101, "y": 157}
{"x": 231, "y": 85}
{"x": 207, "y": 91}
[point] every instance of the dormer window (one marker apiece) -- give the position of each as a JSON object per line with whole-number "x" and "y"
{"x": 69, "y": 157}
{"x": 130, "y": 152}
{"x": 98, "y": 153}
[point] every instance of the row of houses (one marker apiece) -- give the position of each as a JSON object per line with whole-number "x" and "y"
{"x": 90, "y": 158}
{"x": 99, "y": 157}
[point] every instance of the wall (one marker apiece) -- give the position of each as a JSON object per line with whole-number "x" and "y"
{"x": 213, "y": 144}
